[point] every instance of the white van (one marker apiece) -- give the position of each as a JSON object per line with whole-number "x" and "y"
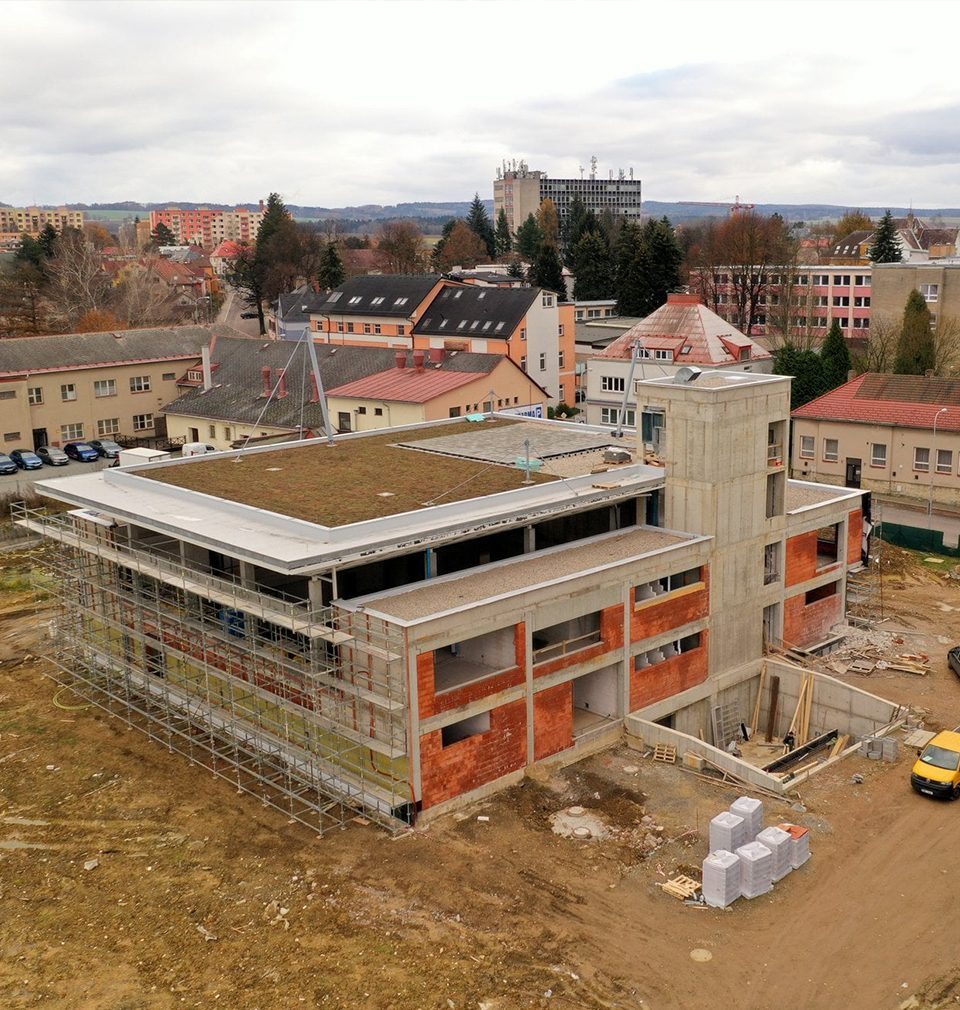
{"x": 197, "y": 449}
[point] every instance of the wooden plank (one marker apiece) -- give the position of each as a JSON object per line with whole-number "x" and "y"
{"x": 839, "y": 745}
{"x": 681, "y": 887}
{"x": 755, "y": 724}
{"x": 807, "y": 710}
{"x": 774, "y": 705}
{"x": 793, "y": 728}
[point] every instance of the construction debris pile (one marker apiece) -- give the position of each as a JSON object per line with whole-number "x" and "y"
{"x": 865, "y": 652}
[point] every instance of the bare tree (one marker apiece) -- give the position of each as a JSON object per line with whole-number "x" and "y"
{"x": 879, "y": 351}
{"x": 78, "y": 283}
{"x": 401, "y": 249}
{"x": 142, "y": 299}
{"x": 946, "y": 346}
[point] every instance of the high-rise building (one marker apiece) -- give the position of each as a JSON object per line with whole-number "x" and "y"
{"x": 208, "y": 228}
{"x": 519, "y": 192}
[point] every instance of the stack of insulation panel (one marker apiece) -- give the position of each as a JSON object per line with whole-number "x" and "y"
{"x": 780, "y": 843}
{"x": 728, "y": 832}
{"x": 799, "y": 844}
{"x": 721, "y": 878}
{"x": 756, "y": 869}
{"x": 751, "y": 811}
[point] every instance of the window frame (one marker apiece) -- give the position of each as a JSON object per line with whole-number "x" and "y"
{"x": 835, "y": 458}
{"x": 882, "y": 464}
{"x": 139, "y": 423}
{"x": 812, "y": 452}
{"x": 68, "y": 392}
{"x": 140, "y": 384}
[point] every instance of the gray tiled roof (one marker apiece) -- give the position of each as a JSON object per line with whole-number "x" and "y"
{"x": 296, "y": 306}
{"x": 78, "y": 350}
{"x": 238, "y": 378}
{"x": 389, "y": 287}
{"x": 472, "y": 311}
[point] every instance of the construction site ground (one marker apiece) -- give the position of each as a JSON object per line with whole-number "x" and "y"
{"x": 132, "y": 880}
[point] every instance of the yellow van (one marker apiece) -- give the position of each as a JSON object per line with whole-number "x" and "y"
{"x": 937, "y": 771}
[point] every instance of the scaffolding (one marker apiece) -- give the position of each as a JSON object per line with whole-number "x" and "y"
{"x": 303, "y": 706}
{"x": 865, "y": 585}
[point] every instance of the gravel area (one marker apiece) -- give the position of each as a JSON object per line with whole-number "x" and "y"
{"x": 800, "y": 496}
{"x": 520, "y": 575}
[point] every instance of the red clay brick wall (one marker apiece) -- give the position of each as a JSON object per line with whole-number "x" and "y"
{"x": 655, "y": 618}
{"x": 802, "y": 559}
{"x": 669, "y": 677}
{"x": 432, "y": 703}
{"x": 805, "y": 625}
{"x": 854, "y": 536}
{"x": 611, "y": 631}
{"x": 553, "y": 720}
{"x": 450, "y": 771}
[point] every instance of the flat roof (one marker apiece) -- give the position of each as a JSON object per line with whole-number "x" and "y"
{"x": 505, "y": 444}
{"x": 354, "y": 479}
{"x": 805, "y": 494}
{"x": 457, "y": 591}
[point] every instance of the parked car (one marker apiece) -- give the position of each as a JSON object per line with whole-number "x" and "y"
{"x": 7, "y": 465}
{"x": 52, "y": 456}
{"x": 248, "y": 315}
{"x": 197, "y": 449}
{"x": 26, "y": 459}
{"x": 953, "y": 658}
{"x": 106, "y": 447}
{"x": 81, "y": 451}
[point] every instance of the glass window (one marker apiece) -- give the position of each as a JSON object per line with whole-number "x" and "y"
{"x": 930, "y": 292}
{"x": 944, "y": 461}
{"x": 35, "y": 395}
{"x": 108, "y": 426}
{"x": 921, "y": 459}
{"x": 68, "y": 391}
{"x": 560, "y": 359}
{"x": 105, "y": 387}
{"x": 543, "y": 362}
{"x": 612, "y": 383}
{"x": 69, "y": 431}
{"x": 878, "y": 454}
{"x": 831, "y": 450}
{"x": 141, "y": 422}
{"x": 610, "y": 415}
{"x": 140, "y": 384}
{"x": 806, "y": 446}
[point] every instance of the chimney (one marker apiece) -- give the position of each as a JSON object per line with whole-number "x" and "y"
{"x": 261, "y": 207}
{"x": 282, "y": 378}
{"x": 207, "y": 372}
{"x": 418, "y": 360}
{"x": 265, "y": 372}
{"x": 315, "y": 393}
{"x": 437, "y": 354}
{"x": 401, "y": 359}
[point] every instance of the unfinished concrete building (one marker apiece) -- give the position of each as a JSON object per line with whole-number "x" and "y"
{"x": 401, "y": 620}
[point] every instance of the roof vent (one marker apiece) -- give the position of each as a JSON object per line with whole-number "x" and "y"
{"x": 687, "y": 374}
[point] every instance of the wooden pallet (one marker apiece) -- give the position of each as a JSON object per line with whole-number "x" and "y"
{"x": 665, "y": 752}
{"x": 681, "y": 887}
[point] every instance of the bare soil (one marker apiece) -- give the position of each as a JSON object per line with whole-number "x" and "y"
{"x": 201, "y": 897}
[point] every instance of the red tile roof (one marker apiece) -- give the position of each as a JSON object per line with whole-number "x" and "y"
{"x": 407, "y": 385}
{"x": 696, "y": 335}
{"x": 227, "y": 250}
{"x": 907, "y": 401}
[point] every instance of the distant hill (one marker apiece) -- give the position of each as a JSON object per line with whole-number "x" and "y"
{"x": 677, "y": 211}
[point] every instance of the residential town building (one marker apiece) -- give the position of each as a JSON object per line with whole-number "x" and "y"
{"x": 92, "y": 385}
{"x": 895, "y": 434}
{"x": 258, "y": 390}
{"x": 799, "y": 301}
{"x": 681, "y": 333}
{"x": 207, "y": 227}
{"x": 938, "y": 281}
{"x": 518, "y": 192}
{"x": 530, "y": 325}
{"x": 32, "y": 220}
{"x": 405, "y": 620}
{"x": 919, "y": 242}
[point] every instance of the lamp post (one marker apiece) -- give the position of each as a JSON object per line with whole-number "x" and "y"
{"x": 933, "y": 464}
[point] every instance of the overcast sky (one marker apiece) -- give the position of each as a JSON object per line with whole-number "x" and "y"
{"x": 332, "y": 104}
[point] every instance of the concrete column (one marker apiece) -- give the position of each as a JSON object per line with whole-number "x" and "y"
{"x": 528, "y": 666}
{"x": 529, "y": 540}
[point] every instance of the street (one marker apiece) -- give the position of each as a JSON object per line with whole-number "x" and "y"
{"x": 948, "y": 524}
{"x": 229, "y": 314}
{"x": 23, "y": 480}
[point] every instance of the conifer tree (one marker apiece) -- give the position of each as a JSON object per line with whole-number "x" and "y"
{"x": 633, "y": 294}
{"x": 331, "y": 273}
{"x": 503, "y": 241}
{"x": 479, "y": 223}
{"x": 807, "y": 370}
{"x": 162, "y": 236}
{"x": 546, "y": 271}
{"x": 885, "y": 247}
{"x": 529, "y": 238}
{"x": 664, "y": 257}
{"x": 592, "y": 267}
{"x": 916, "y": 351}
{"x": 835, "y": 355}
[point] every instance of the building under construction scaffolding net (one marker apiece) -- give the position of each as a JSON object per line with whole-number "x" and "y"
{"x": 302, "y": 707}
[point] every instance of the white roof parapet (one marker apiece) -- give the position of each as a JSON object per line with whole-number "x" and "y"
{"x": 287, "y": 544}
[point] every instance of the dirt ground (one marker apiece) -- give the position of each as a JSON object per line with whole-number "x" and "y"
{"x": 132, "y": 880}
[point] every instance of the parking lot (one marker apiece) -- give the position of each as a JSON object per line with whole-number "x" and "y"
{"x": 23, "y": 480}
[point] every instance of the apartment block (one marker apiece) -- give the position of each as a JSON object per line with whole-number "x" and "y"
{"x": 938, "y": 281}
{"x": 32, "y": 220}
{"x": 406, "y": 620}
{"x": 209, "y": 228}
{"x": 518, "y": 191}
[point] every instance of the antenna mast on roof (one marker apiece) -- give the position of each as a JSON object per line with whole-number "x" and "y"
{"x": 321, "y": 395}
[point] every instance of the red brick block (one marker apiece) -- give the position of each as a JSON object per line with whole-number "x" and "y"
{"x": 854, "y": 536}
{"x": 805, "y": 624}
{"x": 669, "y": 677}
{"x": 553, "y": 720}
